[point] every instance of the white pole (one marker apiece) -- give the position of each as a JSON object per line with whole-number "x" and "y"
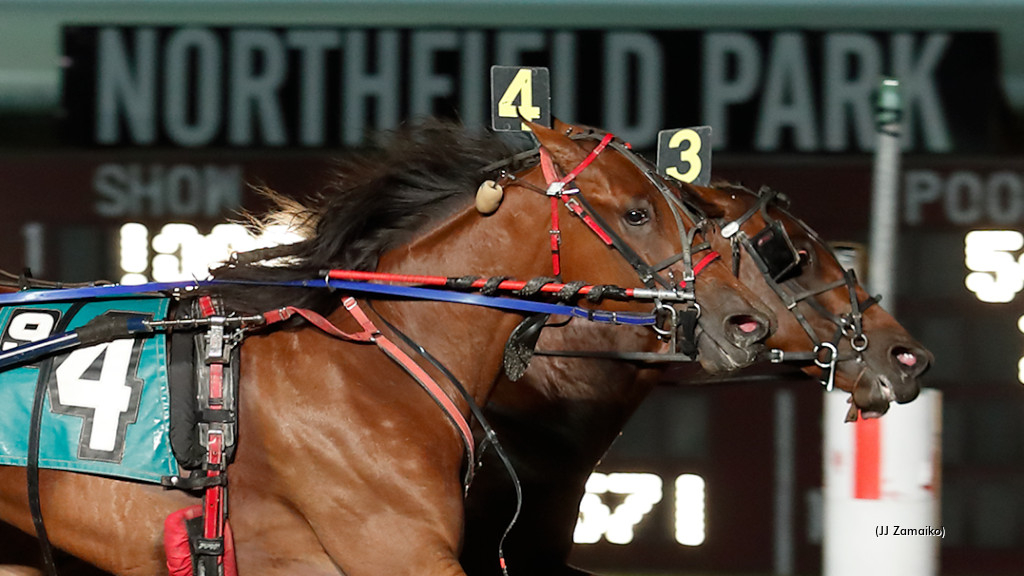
{"x": 882, "y": 484}
{"x": 882, "y": 476}
{"x": 885, "y": 194}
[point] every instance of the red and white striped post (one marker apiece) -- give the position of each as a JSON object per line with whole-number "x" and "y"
{"x": 882, "y": 489}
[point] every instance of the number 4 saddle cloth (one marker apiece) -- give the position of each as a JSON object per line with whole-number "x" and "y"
{"x": 105, "y": 407}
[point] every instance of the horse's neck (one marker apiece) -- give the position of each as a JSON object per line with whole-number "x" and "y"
{"x": 512, "y": 242}
{"x": 469, "y": 340}
{"x": 578, "y": 406}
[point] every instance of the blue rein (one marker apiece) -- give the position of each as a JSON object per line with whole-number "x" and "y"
{"x": 68, "y": 340}
{"x": 412, "y": 292}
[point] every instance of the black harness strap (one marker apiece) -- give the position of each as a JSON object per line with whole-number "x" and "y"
{"x": 648, "y": 274}
{"x": 645, "y": 272}
{"x": 825, "y": 354}
{"x": 643, "y": 358}
{"x": 32, "y": 465}
{"x": 35, "y": 506}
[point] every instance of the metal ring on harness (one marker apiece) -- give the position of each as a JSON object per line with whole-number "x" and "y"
{"x": 673, "y": 317}
{"x": 859, "y": 342}
{"x": 828, "y": 366}
{"x": 847, "y": 325}
{"x": 830, "y": 360}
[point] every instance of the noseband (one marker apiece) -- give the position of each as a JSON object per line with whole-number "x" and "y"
{"x": 776, "y": 273}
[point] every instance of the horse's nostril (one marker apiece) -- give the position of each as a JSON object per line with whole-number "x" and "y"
{"x": 748, "y": 325}
{"x": 908, "y": 360}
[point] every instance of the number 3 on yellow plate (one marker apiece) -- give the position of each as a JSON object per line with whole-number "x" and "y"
{"x": 685, "y": 154}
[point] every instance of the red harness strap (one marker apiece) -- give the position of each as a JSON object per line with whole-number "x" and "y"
{"x": 214, "y": 498}
{"x": 214, "y": 549}
{"x": 556, "y": 190}
{"x": 370, "y": 333}
{"x": 707, "y": 259}
{"x": 367, "y": 335}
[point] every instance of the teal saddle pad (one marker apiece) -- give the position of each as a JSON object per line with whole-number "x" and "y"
{"x": 106, "y": 407}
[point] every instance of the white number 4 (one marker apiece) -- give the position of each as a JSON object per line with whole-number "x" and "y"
{"x": 521, "y": 86}
{"x": 99, "y": 384}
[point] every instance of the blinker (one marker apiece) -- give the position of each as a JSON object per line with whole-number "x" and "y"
{"x": 776, "y": 250}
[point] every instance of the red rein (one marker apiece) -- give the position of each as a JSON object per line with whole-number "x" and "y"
{"x": 549, "y": 288}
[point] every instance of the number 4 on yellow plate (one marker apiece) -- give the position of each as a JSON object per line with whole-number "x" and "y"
{"x": 519, "y": 93}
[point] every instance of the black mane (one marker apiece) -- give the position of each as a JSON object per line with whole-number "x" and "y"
{"x": 379, "y": 199}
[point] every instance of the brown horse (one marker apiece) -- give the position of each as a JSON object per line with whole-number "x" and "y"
{"x": 343, "y": 465}
{"x": 555, "y": 436}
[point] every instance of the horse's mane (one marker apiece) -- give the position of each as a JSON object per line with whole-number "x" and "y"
{"x": 377, "y": 200}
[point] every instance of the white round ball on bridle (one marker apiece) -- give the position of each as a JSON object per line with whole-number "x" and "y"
{"x": 488, "y": 197}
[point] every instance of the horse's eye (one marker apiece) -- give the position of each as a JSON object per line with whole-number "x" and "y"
{"x": 637, "y": 217}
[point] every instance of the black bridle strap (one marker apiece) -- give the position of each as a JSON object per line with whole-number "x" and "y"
{"x": 646, "y": 358}
{"x": 804, "y": 295}
{"x": 854, "y": 319}
{"x": 645, "y": 272}
{"x": 32, "y": 464}
{"x": 783, "y": 295}
{"x": 856, "y": 311}
{"x": 676, "y": 258}
{"x": 764, "y": 196}
{"x": 676, "y": 206}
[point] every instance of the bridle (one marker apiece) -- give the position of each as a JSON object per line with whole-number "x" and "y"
{"x": 679, "y": 322}
{"x": 777, "y": 260}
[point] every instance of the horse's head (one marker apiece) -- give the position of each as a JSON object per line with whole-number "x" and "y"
{"x": 658, "y": 234}
{"x": 825, "y": 317}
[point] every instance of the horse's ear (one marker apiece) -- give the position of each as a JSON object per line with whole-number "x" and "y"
{"x": 564, "y": 151}
{"x": 564, "y": 127}
{"x": 706, "y": 199}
